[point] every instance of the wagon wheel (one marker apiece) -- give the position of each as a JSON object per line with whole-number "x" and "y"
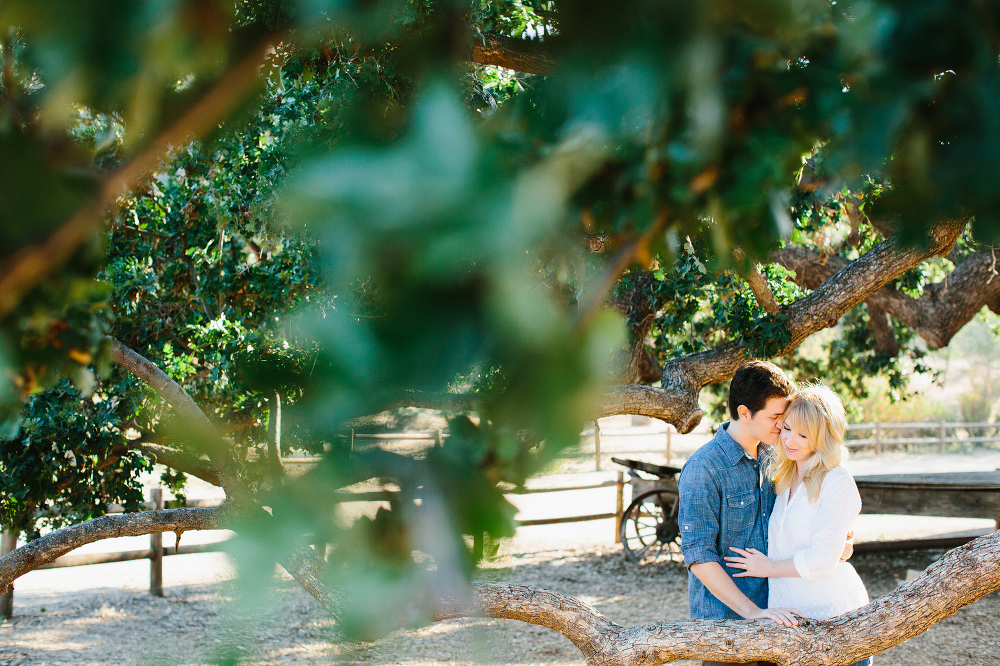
{"x": 649, "y": 525}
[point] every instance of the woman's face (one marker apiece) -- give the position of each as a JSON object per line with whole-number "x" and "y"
{"x": 797, "y": 447}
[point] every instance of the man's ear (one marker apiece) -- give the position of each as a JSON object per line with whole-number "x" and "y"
{"x": 744, "y": 413}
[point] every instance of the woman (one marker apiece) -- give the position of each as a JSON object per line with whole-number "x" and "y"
{"x": 816, "y": 505}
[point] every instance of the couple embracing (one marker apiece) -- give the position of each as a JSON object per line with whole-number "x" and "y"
{"x": 766, "y": 508}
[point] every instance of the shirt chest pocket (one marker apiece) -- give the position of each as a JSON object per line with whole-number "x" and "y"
{"x": 741, "y": 510}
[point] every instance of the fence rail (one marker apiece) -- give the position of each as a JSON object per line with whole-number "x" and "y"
{"x": 156, "y": 552}
{"x": 945, "y": 432}
{"x": 940, "y": 428}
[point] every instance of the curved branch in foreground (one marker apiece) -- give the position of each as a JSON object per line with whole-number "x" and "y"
{"x": 29, "y": 265}
{"x": 56, "y": 544}
{"x": 581, "y": 623}
{"x": 956, "y": 580}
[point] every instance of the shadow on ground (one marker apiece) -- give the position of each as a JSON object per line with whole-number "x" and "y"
{"x": 200, "y": 624}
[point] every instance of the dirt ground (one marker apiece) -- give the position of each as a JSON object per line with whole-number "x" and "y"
{"x": 193, "y": 624}
{"x": 103, "y": 614}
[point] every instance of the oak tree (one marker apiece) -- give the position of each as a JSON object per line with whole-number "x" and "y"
{"x": 528, "y": 214}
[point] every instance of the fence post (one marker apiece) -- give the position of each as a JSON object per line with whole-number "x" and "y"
{"x": 878, "y": 437}
{"x": 438, "y": 437}
{"x": 156, "y": 545}
{"x": 350, "y": 447}
{"x": 620, "y": 503}
{"x": 8, "y": 541}
{"x": 669, "y": 454}
{"x": 597, "y": 446}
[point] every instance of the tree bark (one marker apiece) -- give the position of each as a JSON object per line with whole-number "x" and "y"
{"x": 956, "y": 580}
{"x": 940, "y": 311}
{"x": 179, "y": 460}
{"x": 56, "y": 544}
{"x": 853, "y": 283}
{"x": 678, "y": 406}
{"x": 520, "y": 55}
{"x": 301, "y": 562}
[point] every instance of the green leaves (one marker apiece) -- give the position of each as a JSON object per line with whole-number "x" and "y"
{"x": 386, "y": 224}
{"x": 69, "y": 460}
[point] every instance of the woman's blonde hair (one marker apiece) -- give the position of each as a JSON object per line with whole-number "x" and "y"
{"x": 816, "y": 412}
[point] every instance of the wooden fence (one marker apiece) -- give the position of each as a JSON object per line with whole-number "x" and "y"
{"x": 156, "y": 552}
{"x": 927, "y": 433}
{"x": 938, "y": 434}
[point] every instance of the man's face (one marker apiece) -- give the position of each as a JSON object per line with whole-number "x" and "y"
{"x": 765, "y": 425}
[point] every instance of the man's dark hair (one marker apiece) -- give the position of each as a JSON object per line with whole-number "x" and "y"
{"x": 754, "y": 384}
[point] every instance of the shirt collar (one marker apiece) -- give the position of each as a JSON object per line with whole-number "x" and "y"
{"x": 732, "y": 450}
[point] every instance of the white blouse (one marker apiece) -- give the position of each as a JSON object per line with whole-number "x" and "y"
{"x": 813, "y": 534}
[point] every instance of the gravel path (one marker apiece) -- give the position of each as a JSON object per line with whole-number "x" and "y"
{"x": 193, "y": 624}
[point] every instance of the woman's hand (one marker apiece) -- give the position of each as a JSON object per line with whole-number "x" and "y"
{"x": 753, "y": 562}
{"x": 785, "y": 616}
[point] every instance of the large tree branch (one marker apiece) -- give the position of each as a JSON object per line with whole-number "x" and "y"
{"x": 202, "y": 429}
{"x": 678, "y": 406}
{"x": 520, "y": 55}
{"x": 300, "y": 562}
{"x": 179, "y": 460}
{"x": 940, "y": 311}
{"x": 58, "y": 543}
{"x": 956, "y": 580}
{"x": 684, "y": 377}
{"x": 676, "y": 400}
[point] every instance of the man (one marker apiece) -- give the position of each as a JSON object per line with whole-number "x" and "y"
{"x": 726, "y": 499}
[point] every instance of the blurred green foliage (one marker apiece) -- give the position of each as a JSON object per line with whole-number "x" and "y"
{"x": 382, "y": 221}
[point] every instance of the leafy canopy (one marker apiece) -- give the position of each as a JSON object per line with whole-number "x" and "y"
{"x": 380, "y": 221}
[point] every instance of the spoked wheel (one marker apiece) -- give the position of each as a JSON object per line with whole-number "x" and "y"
{"x": 649, "y": 526}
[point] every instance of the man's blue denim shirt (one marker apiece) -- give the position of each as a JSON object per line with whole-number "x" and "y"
{"x": 725, "y": 500}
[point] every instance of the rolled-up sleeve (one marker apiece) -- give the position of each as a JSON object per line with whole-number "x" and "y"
{"x": 839, "y": 506}
{"x": 698, "y": 514}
